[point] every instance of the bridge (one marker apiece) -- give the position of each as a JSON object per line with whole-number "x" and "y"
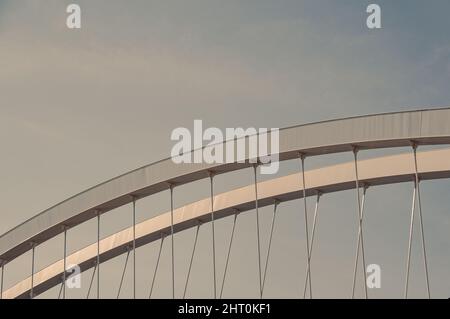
{"x": 301, "y": 144}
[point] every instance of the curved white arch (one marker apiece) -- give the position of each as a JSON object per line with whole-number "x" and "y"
{"x": 374, "y": 131}
{"x": 385, "y": 170}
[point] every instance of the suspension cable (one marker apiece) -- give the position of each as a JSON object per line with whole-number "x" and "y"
{"x": 417, "y": 180}
{"x": 32, "y": 270}
{"x": 255, "y": 167}
{"x": 2, "y": 263}
{"x": 316, "y": 210}
{"x": 157, "y": 264}
{"x": 123, "y": 273}
{"x": 191, "y": 261}
{"x": 134, "y": 247}
{"x": 229, "y": 251}
{"x": 359, "y": 242}
{"x": 302, "y": 160}
{"x": 92, "y": 280}
{"x": 211, "y": 179}
{"x": 60, "y": 290}
{"x": 65, "y": 263}
{"x": 360, "y": 220}
{"x": 275, "y": 205}
{"x": 172, "y": 240}
{"x": 411, "y": 229}
{"x": 98, "y": 254}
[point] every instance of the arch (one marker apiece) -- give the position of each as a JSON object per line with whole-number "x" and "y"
{"x": 378, "y": 171}
{"x": 367, "y": 132}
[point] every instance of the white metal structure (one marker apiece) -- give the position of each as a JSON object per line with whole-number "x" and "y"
{"x": 426, "y": 127}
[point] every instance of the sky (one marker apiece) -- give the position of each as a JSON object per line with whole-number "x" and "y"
{"x": 78, "y": 107}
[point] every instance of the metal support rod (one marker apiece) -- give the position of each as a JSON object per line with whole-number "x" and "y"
{"x": 316, "y": 210}
{"x": 98, "y": 254}
{"x": 302, "y": 160}
{"x": 33, "y": 245}
{"x": 211, "y": 179}
{"x": 228, "y": 254}
{"x": 92, "y": 280}
{"x": 134, "y": 247}
{"x": 255, "y": 167}
{"x": 355, "y": 269}
{"x": 171, "y": 237}
{"x": 192, "y": 259}
{"x": 275, "y": 205}
{"x": 65, "y": 264}
{"x": 1, "y": 282}
{"x": 156, "y": 267}
{"x": 360, "y": 220}
{"x": 411, "y": 229}
{"x": 60, "y": 290}
{"x": 123, "y": 272}
{"x": 421, "y": 221}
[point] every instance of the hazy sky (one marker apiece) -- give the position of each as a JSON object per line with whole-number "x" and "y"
{"x": 78, "y": 107}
